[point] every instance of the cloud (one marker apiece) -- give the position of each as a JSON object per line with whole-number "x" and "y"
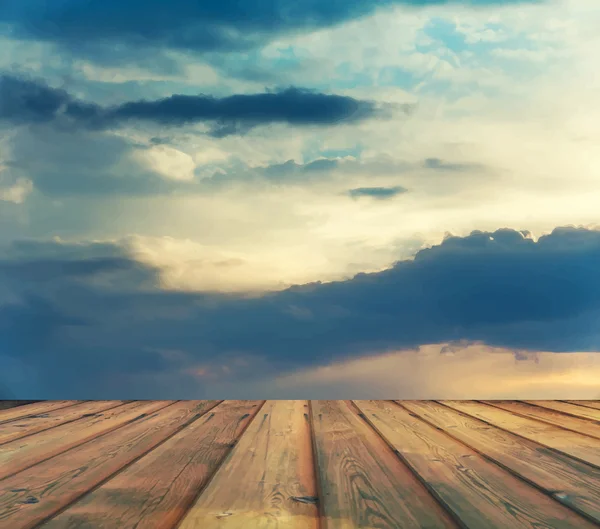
{"x": 380, "y": 193}
{"x": 25, "y": 101}
{"x": 500, "y": 288}
{"x": 96, "y": 26}
{"x": 440, "y": 165}
{"x": 292, "y": 172}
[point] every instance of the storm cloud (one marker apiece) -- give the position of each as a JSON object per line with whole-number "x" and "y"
{"x": 27, "y": 101}
{"x": 204, "y": 26}
{"x": 501, "y": 288}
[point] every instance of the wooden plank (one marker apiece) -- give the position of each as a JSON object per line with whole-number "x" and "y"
{"x": 362, "y": 483}
{"x": 586, "y": 449}
{"x": 270, "y": 465}
{"x": 6, "y": 404}
{"x": 22, "y": 453}
{"x": 38, "y": 423}
{"x": 549, "y": 416}
{"x": 34, "y": 495}
{"x": 157, "y": 490}
{"x": 478, "y": 492}
{"x": 587, "y": 403}
{"x": 34, "y": 409}
{"x": 569, "y": 481}
{"x": 570, "y": 409}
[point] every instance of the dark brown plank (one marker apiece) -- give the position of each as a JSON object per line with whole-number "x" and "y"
{"x": 38, "y": 423}
{"x": 34, "y": 409}
{"x": 478, "y": 492}
{"x": 34, "y": 495}
{"x": 157, "y": 490}
{"x": 270, "y": 465}
{"x": 549, "y": 416}
{"x": 569, "y": 481}
{"x": 587, "y": 403}
{"x": 362, "y": 483}
{"x": 565, "y": 407}
{"x": 22, "y": 453}
{"x": 6, "y": 404}
{"x": 586, "y": 449}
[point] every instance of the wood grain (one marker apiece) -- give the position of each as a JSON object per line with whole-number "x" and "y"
{"x": 270, "y": 465}
{"x": 38, "y": 423}
{"x": 586, "y": 403}
{"x": 569, "y": 481}
{"x": 156, "y": 491}
{"x": 34, "y": 409}
{"x": 571, "y": 409}
{"x": 22, "y": 453}
{"x": 581, "y": 447}
{"x": 550, "y": 416}
{"x": 32, "y": 496}
{"x": 362, "y": 483}
{"x": 478, "y": 492}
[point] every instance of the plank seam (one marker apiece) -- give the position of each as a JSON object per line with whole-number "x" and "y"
{"x": 563, "y": 412}
{"x": 124, "y": 467}
{"x": 444, "y": 506}
{"x": 491, "y": 403}
{"x": 321, "y": 520}
{"x": 57, "y": 425}
{"x": 28, "y": 415}
{"x": 582, "y": 405}
{"x": 514, "y": 473}
{"x": 193, "y": 501}
{"x": 130, "y": 421}
{"x": 521, "y": 436}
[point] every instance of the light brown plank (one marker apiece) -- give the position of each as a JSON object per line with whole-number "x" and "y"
{"x": 157, "y": 490}
{"x": 38, "y": 423}
{"x": 581, "y": 447}
{"x": 32, "y": 496}
{"x": 587, "y": 403}
{"x": 478, "y": 492}
{"x": 569, "y": 481}
{"x": 22, "y": 453}
{"x": 549, "y": 416}
{"x": 571, "y": 409}
{"x": 271, "y": 464}
{"x": 36, "y": 408}
{"x": 362, "y": 483}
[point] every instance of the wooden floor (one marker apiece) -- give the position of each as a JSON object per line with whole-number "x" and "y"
{"x": 300, "y": 464}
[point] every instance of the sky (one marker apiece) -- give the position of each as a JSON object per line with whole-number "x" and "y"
{"x": 299, "y": 199}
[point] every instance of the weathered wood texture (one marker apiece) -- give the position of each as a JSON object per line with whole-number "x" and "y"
{"x": 300, "y": 465}
{"x": 18, "y": 412}
{"x": 18, "y": 428}
{"x": 478, "y": 492}
{"x": 582, "y": 447}
{"x": 269, "y": 467}
{"x": 158, "y": 489}
{"x": 587, "y": 403}
{"x": 362, "y": 482}
{"x": 551, "y": 416}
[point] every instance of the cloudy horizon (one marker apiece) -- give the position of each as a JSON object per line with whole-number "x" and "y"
{"x": 393, "y": 199}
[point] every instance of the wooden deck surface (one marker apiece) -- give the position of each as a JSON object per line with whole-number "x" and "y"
{"x": 300, "y": 465}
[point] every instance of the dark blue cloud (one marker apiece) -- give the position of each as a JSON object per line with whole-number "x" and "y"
{"x": 25, "y": 101}
{"x": 380, "y": 193}
{"x": 500, "y": 288}
{"x": 197, "y": 25}
{"x": 238, "y": 113}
